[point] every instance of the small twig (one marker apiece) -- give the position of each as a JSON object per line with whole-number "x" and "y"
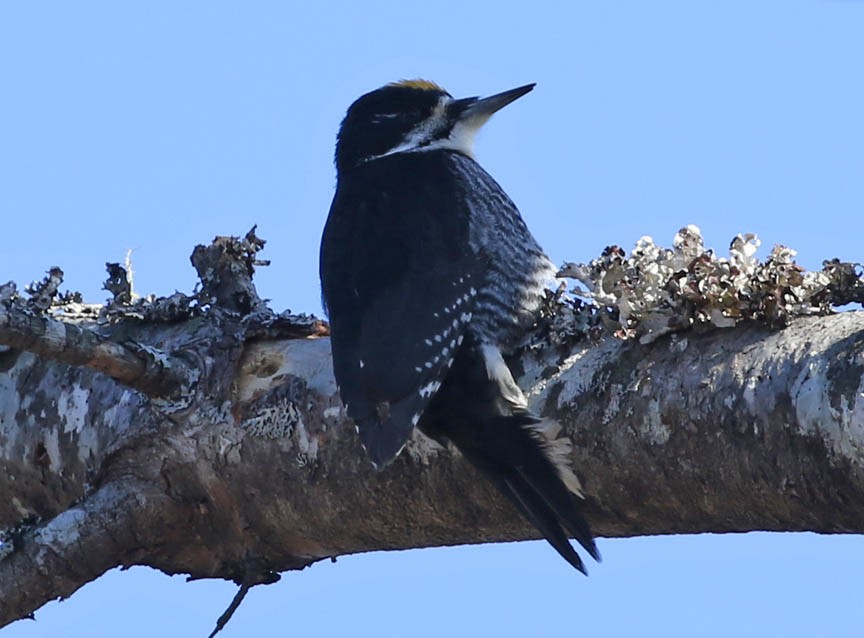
{"x": 235, "y": 603}
{"x": 154, "y": 373}
{"x": 252, "y": 578}
{"x": 130, "y": 275}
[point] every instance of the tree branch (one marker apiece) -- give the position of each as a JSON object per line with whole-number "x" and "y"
{"x": 734, "y": 430}
{"x": 111, "y": 527}
{"x": 142, "y": 368}
{"x": 258, "y": 470}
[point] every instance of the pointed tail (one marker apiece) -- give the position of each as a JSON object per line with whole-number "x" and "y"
{"x": 484, "y": 413}
{"x": 513, "y": 452}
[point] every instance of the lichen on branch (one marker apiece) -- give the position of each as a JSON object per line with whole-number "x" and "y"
{"x": 656, "y": 290}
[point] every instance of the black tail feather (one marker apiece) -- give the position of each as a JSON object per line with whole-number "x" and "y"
{"x": 515, "y": 455}
{"x": 382, "y": 441}
{"x": 523, "y": 496}
{"x": 504, "y": 440}
{"x": 569, "y": 515}
{"x": 542, "y": 476}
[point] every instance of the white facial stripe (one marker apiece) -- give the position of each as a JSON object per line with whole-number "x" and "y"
{"x": 421, "y": 133}
{"x": 461, "y": 137}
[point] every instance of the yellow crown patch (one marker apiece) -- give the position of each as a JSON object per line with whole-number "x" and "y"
{"x": 423, "y": 85}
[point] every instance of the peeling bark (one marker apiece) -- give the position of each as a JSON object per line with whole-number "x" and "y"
{"x": 257, "y": 470}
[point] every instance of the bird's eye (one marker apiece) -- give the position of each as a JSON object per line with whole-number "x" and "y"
{"x": 380, "y": 117}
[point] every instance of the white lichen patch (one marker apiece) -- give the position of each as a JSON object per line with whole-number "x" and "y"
{"x": 810, "y": 394}
{"x": 159, "y": 356}
{"x": 62, "y": 531}
{"x": 113, "y": 415}
{"x": 652, "y": 427}
{"x": 72, "y": 408}
{"x": 533, "y": 380}
{"x": 274, "y": 422}
{"x": 655, "y": 290}
{"x": 284, "y": 421}
{"x": 842, "y": 429}
{"x": 578, "y": 371}
{"x": 51, "y": 442}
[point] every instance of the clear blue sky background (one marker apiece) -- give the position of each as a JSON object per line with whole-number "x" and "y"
{"x": 157, "y": 125}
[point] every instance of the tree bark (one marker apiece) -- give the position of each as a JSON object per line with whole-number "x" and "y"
{"x": 254, "y": 469}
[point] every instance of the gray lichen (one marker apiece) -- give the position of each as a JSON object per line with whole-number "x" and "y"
{"x": 656, "y": 290}
{"x": 274, "y": 421}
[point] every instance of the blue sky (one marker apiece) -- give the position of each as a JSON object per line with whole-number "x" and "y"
{"x": 155, "y": 126}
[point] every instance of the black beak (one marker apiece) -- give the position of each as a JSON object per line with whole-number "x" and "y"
{"x": 483, "y": 108}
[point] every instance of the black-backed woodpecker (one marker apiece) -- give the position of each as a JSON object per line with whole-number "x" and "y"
{"x": 429, "y": 277}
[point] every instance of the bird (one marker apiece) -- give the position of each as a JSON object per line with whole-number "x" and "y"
{"x": 429, "y": 278}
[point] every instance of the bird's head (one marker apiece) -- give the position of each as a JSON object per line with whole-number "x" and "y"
{"x": 413, "y": 116}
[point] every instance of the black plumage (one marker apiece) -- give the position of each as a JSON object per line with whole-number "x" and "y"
{"x": 429, "y": 275}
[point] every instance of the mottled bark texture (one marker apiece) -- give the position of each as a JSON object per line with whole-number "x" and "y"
{"x": 255, "y": 468}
